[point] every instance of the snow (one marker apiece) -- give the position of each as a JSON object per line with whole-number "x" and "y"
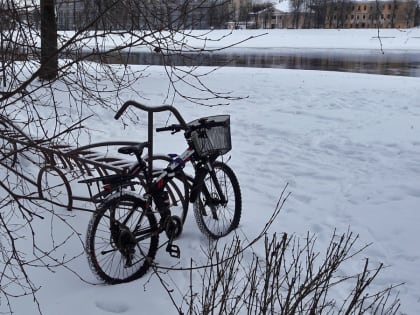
{"x": 374, "y": 40}
{"x": 391, "y": 39}
{"x": 346, "y": 144}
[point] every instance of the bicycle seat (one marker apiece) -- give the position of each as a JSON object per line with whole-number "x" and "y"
{"x": 136, "y": 149}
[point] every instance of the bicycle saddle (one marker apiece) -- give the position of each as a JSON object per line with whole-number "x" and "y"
{"x": 136, "y": 149}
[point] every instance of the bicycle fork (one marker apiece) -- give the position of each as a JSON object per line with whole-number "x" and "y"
{"x": 216, "y": 183}
{"x": 200, "y": 186}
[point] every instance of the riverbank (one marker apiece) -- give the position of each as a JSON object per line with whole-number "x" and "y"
{"x": 395, "y": 39}
{"x": 371, "y": 39}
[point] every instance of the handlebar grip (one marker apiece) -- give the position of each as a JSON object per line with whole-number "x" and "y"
{"x": 174, "y": 128}
{"x": 163, "y": 129}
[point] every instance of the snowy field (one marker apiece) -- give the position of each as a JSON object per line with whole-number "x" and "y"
{"x": 365, "y": 39}
{"x": 347, "y": 145}
{"x": 405, "y": 39}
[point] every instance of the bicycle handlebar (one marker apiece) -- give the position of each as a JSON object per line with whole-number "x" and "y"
{"x": 202, "y": 124}
{"x": 151, "y": 109}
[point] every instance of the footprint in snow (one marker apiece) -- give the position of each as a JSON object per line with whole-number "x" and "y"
{"x": 111, "y": 307}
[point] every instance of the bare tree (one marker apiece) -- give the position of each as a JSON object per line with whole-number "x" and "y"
{"x": 297, "y": 7}
{"x": 344, "y": 9}
{"x": 417, "y": 15}
{"x": 49, "y": 56}
{"x": 75, "y": 65}
{"x": 319, "y": 16}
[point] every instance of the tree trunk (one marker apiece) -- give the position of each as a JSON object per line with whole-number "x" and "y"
{"x": 49, "y": 57}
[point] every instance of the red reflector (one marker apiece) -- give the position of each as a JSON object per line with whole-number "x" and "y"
{"x": 160, "y": 184}
{"x": 107, "y": 187}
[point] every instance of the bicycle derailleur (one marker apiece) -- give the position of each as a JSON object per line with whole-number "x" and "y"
{"x": 124, "y": 241}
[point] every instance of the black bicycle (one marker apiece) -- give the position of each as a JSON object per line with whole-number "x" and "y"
{"x": 123, "y": 233}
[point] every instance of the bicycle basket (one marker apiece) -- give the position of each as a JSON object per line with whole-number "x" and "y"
{"x": 214, "y": 140}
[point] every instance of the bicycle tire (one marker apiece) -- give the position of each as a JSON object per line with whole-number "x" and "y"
{"x": 107, "y": 250}
{"x": 224, "y": 218}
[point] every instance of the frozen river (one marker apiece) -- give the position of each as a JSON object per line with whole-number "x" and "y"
{"x": 395, "y": 62}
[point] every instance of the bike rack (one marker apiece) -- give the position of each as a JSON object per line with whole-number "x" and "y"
{"x": 150, "y": 115}
{"x": 67, "y": 162}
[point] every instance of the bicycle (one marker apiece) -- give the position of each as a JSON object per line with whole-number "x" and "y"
{"x": 123, "y": 233}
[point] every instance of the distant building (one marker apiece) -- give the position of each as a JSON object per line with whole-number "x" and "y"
{"x": 199, "y": 14}
{"x": 373, "y": 14}
{"x": 275, "y": 18}
{"x": 74, "y": 14}
{"x": 134, "y": 14}
{"x": 340, "y": 14}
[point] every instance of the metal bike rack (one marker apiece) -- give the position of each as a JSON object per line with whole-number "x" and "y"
{"x": 65, "y": 161}
{"x": 150, "y": 116}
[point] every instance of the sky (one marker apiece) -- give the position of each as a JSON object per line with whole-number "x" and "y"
{"x": 347, "y": 146}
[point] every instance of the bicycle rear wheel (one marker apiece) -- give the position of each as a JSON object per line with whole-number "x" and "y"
{"x": 214, "y": 217}
{"x": 121, "y": 239}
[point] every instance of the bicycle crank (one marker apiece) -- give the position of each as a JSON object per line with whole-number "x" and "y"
{"x": 173, "y": 228}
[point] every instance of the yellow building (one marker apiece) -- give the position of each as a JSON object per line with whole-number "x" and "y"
{"x": 341, "y": 14}
{"x": 372, "y": 14}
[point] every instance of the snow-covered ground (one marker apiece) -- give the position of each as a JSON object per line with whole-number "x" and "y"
{"x": 366, "y": 39}
{"x": 347, "y": 144}
{"x": 405, "y": 39}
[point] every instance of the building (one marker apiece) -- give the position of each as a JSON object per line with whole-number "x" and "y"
{"x": 145, "y": 14}
{"x": 199, "y": 14}
{"x": 373, "y": 14}
{"x": 340, "y": 14}
{"x": 72, "y": 14}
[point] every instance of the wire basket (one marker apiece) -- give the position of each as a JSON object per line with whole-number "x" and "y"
{"x": 214, "y": 140}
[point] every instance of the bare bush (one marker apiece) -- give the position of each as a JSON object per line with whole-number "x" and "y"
{"x": 288, "y": 276}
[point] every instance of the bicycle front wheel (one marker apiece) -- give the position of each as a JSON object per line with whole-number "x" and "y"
{"x": 121, "y": 239}
{"x": 217, "y": 215}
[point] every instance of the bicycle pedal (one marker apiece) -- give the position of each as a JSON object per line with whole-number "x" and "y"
{"x": 173, "y": 250}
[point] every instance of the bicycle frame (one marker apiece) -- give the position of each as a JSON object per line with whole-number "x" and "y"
{"x": 184, "y": 156}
